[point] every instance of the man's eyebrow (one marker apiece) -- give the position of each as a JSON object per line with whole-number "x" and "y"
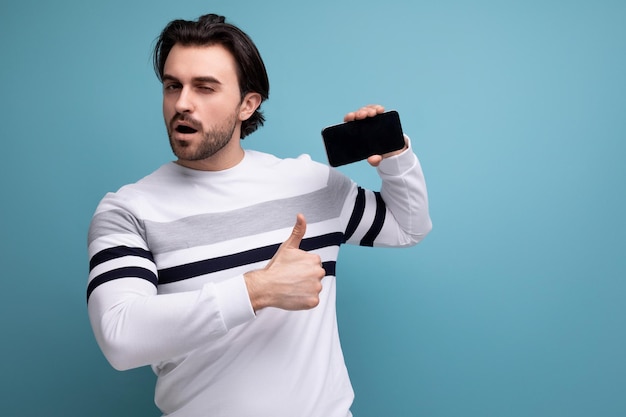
{"x": 201, "y": 79}
{"x": 206, "y": 79}
{"x": 167, "y": 77}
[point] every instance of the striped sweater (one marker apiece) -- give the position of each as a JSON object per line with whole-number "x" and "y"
{"x": 166, "y": 288}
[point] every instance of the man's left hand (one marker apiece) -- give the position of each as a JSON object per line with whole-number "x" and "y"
{"x": 371, "y": 111}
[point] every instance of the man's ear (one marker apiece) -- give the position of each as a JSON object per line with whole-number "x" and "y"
{"x": 249, "y": 104}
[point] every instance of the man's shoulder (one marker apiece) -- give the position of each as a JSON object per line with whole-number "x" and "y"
{"x": 153, "y": 183}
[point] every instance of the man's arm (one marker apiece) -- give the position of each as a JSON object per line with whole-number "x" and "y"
{"x": 400, "y": 217}
{"x": 135, "y": 326}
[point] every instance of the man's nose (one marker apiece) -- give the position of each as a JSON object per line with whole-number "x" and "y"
{"x": 184, "y": 103}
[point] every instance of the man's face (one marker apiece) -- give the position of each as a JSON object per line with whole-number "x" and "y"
{"x": 201, "y": 102}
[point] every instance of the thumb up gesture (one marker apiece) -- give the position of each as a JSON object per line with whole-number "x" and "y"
{"x": 292, "y": 280}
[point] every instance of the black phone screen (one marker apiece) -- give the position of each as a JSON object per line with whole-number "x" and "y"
{"x": 357, "y": 140}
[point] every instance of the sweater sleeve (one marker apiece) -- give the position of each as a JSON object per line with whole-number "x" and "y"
{"x": 397, "y": 215}
{"x": 133, "y": 324}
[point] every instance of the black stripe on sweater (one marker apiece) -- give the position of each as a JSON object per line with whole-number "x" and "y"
{"x": 118, "y": 252}
{"x": 265, "y": 253}
{"x": 377, "y": 224}
{"x": 357, "y": 214}
{"x": 126, "y": 272}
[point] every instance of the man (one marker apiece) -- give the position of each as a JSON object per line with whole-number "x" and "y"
{"x": 198, "y": 269}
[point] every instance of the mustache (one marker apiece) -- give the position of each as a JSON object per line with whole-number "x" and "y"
{"x": 186, "y": 119}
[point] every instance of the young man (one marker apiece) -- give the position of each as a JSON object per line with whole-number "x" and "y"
{"x": 198, "y": 269}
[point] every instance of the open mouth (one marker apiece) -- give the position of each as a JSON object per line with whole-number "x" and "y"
{"x": 185, "y": 129}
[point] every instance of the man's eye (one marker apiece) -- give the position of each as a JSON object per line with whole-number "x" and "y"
{"x": 171, "y": 87}
{"x": 206, "y": 88}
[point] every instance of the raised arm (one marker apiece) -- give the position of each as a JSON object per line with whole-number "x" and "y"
{"x": 398, "y": 215}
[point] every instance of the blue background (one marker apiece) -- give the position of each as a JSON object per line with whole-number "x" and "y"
{"x": 513, "y": 306}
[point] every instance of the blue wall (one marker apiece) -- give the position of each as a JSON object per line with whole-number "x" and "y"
{"x": 513, "y": 306}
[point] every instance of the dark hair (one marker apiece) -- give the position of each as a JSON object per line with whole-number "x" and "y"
{"x": 212, "y": 29}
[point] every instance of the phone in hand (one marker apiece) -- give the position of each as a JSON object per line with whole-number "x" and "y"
{"x": 356, "y": 140}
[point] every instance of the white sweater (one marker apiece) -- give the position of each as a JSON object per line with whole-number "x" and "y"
{"x": 166, "y": 288}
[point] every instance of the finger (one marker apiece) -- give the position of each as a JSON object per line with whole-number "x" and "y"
{"x": 374, "y": 109}
{"x": 370, "y": 110}
{"x": 297, "y": 233}
{"x": 349, "y": 117}
{"x": 321, "y": 263}
{"x": 374, "y": 160}
{"x": 359, "y": 114}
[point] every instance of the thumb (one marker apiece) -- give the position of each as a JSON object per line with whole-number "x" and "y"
{"x": 297, "y": 233}
{"x": 375, "y": 160}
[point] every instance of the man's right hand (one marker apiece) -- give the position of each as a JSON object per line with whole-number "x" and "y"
{"x": 292, "y": 280}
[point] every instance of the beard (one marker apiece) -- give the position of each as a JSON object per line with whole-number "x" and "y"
{"x": 212, "y": 141}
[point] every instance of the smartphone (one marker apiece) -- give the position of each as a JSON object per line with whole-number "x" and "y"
{"x": 356, "y": 140}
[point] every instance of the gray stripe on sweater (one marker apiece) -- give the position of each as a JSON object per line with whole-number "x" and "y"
{"x": 211, "y": 228}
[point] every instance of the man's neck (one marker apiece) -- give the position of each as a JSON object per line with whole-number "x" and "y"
{"x": 226, "y": 158}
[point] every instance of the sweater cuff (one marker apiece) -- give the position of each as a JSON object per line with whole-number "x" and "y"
{"x": 398, "y": 164}
{"x": 234, "y": 301}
